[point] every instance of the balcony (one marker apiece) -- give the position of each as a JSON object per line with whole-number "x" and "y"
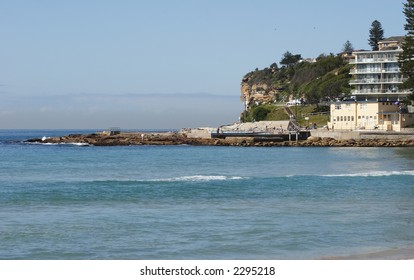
{"x": 379, "y": 91}
{"x": 373, "y": 60}
{"x": 373, "y": 71}
{"x": 376, "y": 81}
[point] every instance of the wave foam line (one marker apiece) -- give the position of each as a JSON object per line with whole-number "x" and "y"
{"x": 374, "y": 174}
{"x": 59, "y": 144}
{"x": 198, "y": 178}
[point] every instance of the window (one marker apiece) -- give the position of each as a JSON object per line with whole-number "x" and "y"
{"x": 349, "y": 118}
{"x": 352, "y": 118}
{"x": 337, "y": 106}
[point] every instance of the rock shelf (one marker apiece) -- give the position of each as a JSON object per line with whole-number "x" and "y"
{"x": 177, "y": 138}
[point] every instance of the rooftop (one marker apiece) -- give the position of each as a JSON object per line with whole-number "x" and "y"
{"x": 399, "y": 39}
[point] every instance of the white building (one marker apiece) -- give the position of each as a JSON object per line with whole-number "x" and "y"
{"x": 376, "y": 95}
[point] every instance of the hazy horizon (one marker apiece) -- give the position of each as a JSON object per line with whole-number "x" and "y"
{"x": 128, "y": 111}
{"x": 123, "y": 58}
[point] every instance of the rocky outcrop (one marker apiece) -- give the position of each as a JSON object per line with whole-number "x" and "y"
{"x": 330, "y": 142}
{"x": 255, "y": 94}
{"x": 128, "y": 139}
{"x": 124, "y": 139}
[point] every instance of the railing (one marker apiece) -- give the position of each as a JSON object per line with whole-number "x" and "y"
{"x": 373, "y": 60}
{"x": 378, "y": 91}
{"x": 376, "y": 70}
{"x": 316, "y": 114}
{"x": 376, "y": 81}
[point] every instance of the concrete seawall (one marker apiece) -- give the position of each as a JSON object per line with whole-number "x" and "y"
{"x": 364, "y": 135}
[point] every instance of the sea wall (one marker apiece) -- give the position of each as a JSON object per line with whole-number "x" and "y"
{"x": 337, "y": 135}
{"x": 363, "y": 135}
{"x": 197, "y": 133}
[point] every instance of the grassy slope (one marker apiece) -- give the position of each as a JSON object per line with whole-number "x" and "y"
{"x": 277, "y": 112}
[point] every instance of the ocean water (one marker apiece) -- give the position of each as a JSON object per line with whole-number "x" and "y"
{"x": 187, "y": 202}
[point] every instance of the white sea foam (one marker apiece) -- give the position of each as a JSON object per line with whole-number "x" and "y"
{"x": 374, "y": 174}
{"x": 57, "y": 144}
{"x": 198, "y": 178}
{"x": 44, "y": 138}
{"x": 78, "y": 144}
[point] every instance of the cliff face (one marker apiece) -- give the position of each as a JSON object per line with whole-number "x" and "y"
{"x": 257, "y": 93}
{"x": 260, "y": 87}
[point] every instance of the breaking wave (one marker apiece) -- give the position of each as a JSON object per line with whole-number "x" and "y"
{"x": 198, "y": 178}
{"x": 59, "y": 144}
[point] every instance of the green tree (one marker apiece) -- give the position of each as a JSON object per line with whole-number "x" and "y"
{"x": 348, "y": 48}
{"x": 376, "y": 34}
{"x": 290, "y": 59}
{"x": 259, "y": 113}
{"x": 274, "y": 66}
{"x": 406, "y": 58}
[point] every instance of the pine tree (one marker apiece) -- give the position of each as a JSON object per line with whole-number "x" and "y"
{"x": 289, "y": 59}
{"x": 376, "y": 34}
{"x": 406, "y": 58}
{"x": 348, "y": 48}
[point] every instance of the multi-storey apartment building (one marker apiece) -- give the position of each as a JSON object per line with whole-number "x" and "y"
{"x": 376, "y": 102}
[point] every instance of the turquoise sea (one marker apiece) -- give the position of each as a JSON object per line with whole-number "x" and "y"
{"x": 187, "y": 202}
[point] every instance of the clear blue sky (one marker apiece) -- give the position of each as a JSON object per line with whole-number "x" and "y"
{"x": 98, "y": 63}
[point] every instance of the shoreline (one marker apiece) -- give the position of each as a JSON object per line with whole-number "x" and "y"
{"x": 180, "y": 138}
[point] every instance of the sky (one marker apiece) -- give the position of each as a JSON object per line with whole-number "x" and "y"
{"x": 160, "y": 63}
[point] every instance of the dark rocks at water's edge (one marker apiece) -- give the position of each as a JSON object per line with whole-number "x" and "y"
{"x": 176, "y": 138}
{"x": 330, "y": 142}
{"x": 124, "y": 139}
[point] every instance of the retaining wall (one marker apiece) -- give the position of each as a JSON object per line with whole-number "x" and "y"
{"x": 361, "y": 135}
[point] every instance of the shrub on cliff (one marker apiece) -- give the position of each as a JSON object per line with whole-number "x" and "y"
{"x": 260, "y": 113}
